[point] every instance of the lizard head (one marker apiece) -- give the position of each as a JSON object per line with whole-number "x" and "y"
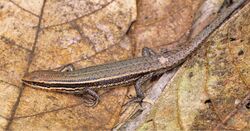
{"x": 37, "y": 78}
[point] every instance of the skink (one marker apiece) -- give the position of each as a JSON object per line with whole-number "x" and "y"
{"x": 137, "y": 70}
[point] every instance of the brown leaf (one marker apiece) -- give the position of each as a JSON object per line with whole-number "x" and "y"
{"x": 211, "y": 91}
{"x": 162, "y": 23}
{"x": 47, "y": 35}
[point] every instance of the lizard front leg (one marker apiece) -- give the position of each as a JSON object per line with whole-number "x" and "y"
{"x": 66, "y": 68}
{"x": 91, "y": 101}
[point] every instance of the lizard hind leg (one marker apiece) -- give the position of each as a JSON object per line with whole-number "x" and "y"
{"x": 147, "y": 52}
{"x": 139, "y": 93}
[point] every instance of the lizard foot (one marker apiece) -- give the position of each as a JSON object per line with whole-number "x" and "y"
{"x": 92, "y": 98}
{"x": 90, "y": 101}
{"x": 132, "y": 100}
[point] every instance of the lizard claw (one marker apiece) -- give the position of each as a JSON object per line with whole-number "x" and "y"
{"x": 132, "y": 100}
{"x": 91, "y": 101}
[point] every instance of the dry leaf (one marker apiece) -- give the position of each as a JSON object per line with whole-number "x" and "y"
{"x": 163, "y": 22}
{"x": 211, "y": 91}
{"x": 48, "y": 34}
